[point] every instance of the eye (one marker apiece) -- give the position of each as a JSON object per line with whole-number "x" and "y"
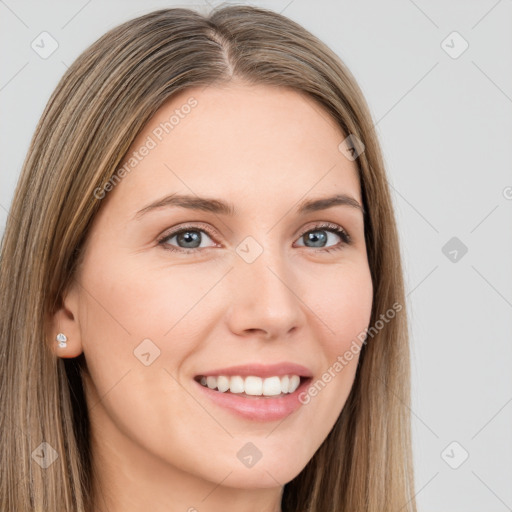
{"x": 319, "y": 235}
{"x": 190, "y": 238}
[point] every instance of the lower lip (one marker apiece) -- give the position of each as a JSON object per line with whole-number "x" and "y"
{"x": 257, "y": 408}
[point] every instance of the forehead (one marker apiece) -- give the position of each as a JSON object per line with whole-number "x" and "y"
{"x": 254, "y": 141}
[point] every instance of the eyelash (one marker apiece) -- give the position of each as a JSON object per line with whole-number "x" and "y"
{"x": 345, "y": 237}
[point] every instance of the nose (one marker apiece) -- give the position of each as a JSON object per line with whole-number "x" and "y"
{"x": 265, "y": 298}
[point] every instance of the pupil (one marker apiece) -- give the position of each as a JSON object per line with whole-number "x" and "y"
{"x": 312, "y": 237}
{"x": 190, "y": 237}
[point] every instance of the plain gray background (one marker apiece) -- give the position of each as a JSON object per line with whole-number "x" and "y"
{"x": 445, "y": 125}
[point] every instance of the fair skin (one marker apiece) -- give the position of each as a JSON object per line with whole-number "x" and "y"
{"x": 158, "y": 443}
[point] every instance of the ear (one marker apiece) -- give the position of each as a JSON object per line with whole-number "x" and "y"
{"x": 66, "y": 320}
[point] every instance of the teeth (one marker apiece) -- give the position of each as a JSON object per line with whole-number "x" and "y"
{"x": 236, "y": 384}
{"x": 222, "y": 383}
{"x": 211, "y": 382}
{"x": 294, "y": 382}
{"x": 272, "y": 386}
{"x": 252, "y": 385}
{"x": 285, "y": 384}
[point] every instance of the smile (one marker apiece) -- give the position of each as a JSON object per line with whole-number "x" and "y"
{"x": 252, "y": 385}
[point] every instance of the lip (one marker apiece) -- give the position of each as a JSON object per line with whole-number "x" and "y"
{"x": 261, "y": 370}
{"x": 256, "y": 408}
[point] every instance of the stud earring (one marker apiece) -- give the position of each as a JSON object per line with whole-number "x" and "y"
{"x": 61, "y": 338}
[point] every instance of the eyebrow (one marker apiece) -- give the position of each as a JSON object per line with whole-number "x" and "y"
{"x": 221, "y": 207}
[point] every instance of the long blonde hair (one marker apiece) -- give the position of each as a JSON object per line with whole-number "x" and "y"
{"x": 100, "y": 105}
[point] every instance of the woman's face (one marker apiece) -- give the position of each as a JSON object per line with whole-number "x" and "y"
{"x": 155, "y": 310}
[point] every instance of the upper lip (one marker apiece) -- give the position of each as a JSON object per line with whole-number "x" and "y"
{"x": 261, "y": 370}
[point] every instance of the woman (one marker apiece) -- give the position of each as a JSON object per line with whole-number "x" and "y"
{"x": 202, "y": 297}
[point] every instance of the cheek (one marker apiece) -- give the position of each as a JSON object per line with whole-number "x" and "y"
{"x": 131, "y": 316}
{"x": 127, "y": 301}
{"x": 342, "y": 300}
{"x": 342, "y": 306}
{"x": 126, "y": 314}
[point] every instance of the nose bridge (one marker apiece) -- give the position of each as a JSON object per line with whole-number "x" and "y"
{"x": 264, "y": 296}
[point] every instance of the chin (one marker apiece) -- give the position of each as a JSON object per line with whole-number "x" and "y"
{"x": 266, "y": 477}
